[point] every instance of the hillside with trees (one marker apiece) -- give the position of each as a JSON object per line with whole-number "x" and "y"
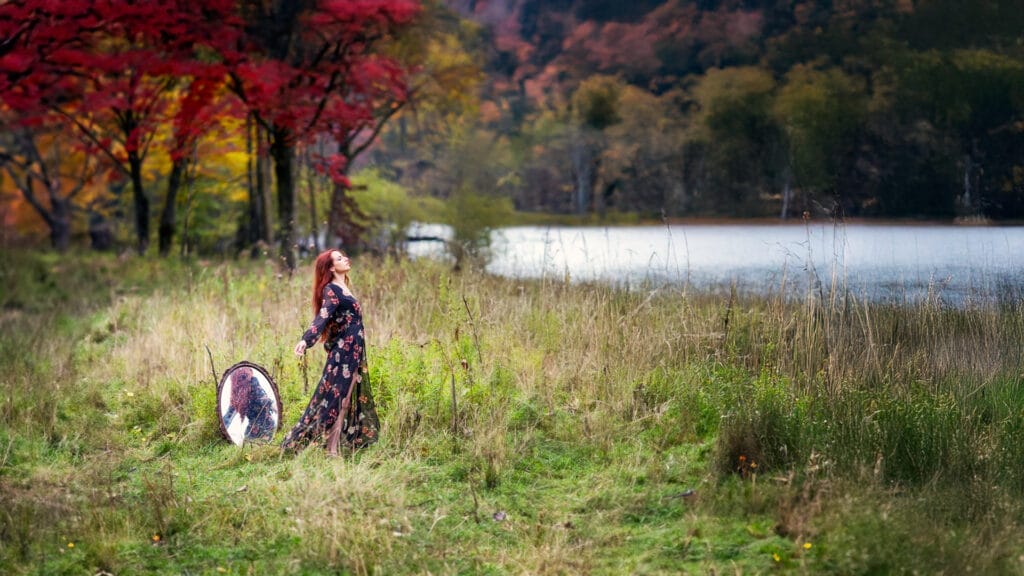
{"x": 864, "y": 108}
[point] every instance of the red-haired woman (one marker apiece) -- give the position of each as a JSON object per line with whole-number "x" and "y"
{"x": 341, "y": 411}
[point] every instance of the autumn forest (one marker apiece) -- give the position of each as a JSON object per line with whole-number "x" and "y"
{"x": 229, "y": 127}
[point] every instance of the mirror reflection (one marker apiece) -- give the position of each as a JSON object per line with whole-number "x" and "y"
{"x": 248, "y": 404}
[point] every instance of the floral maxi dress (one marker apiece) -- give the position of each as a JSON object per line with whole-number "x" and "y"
{"x": 344, "y": 373}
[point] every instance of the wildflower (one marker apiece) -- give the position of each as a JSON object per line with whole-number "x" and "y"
{"x": 156, "y": 538}
{"x": 807, "y": 545}
{"x": 775, "y": 556}
{"x": 753, "y": 464}
{"x": 71, "y": 544}
{"x": 743, "y": 458}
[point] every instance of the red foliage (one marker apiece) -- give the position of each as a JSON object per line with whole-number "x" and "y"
{"x": 196, "y": 112}
{"x": 326, "y": 80}
{"x": 333, "y": 166}
{"x": 107, "y": 65}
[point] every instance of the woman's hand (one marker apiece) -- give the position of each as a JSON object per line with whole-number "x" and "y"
{"x": 300, "y": 348}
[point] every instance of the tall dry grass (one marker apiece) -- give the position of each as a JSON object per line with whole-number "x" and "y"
{"x": 586, "y": 407}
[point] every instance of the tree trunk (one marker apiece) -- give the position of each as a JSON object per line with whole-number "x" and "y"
{"x": 100, "y": 235}
{"x": 339, "y": 226}
{"x": 258, "y": 227}
{"x": 347, "y": 232}
{"x": 787, "y": 191}
{"x": 582, "y": 169}
{"x": 60, "y": 223}
{"x": 342, "y": 229}
{"x": 970, "y": 202}
{"x": 263, "y": 199}
{"x": 282, "y": 150}
{"x": 190, "y": 179}
{"x": 313, "y": 228}
{"x": 57, "y": 217}
{"x": 167, "y": 218}
{"x": 247, "y": 230}
{"x": 140, "y": 202}
{"x": 403, "y": 134}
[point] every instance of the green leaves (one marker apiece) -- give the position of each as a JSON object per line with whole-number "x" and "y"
{"x": 821, "y": 112}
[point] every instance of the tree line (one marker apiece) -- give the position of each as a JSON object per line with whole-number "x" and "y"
{"x": 243, "y": 125}
{"x": 866, "y": 108}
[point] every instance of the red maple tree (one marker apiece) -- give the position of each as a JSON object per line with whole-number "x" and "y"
{"x": 306, "y": 69}
{"x": 107, "y": 68}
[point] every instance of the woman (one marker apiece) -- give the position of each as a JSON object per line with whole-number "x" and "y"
{"x": 341, "y": 407}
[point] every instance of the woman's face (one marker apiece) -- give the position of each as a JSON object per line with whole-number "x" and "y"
{"x": 341, "y": 262}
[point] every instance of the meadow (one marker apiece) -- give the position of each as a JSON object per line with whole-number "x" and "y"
{"x": 528, "y": 427}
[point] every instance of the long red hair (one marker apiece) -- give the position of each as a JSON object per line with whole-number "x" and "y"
{"x": 322, "y": 275}
{"x": 241, "y": 389}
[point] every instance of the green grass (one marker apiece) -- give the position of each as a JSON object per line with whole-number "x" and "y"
{"x": 593, "y": 431}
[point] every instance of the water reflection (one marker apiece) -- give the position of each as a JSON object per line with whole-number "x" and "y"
{"x": 880, "y": 262}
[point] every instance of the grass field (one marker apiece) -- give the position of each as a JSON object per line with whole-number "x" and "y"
{"x": 527, "y": 428}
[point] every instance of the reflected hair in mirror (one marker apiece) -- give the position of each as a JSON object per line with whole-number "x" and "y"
{"x": 248, "y": 404}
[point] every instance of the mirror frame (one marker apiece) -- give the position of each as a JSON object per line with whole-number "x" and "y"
{"x": 220, "y": 389}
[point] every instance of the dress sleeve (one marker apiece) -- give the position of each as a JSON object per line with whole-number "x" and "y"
{"x": 316, "y": 328}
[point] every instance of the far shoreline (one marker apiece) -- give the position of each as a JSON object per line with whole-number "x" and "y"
{"x": 633, "y": 220}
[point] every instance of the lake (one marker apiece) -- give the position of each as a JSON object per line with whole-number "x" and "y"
{"x": 957, "y": 264}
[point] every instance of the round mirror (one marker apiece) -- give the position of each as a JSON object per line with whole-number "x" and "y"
{"x": 248, "y": 404}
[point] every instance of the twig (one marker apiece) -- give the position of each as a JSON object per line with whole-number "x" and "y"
{"x": 728, "y": 314}
{"x": 476, "y": 503}
{"x": 436, "y": 520}
{"x": 212, "y": 369}
{"x": 305, "y": 375}
{"x": 455, "y": 411}
{"x": 472, "y": 325}
{"x": 451, "y": 368}
{"x": 7, "y": 454}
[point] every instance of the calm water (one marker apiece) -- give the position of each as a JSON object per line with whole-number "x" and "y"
{"x": 954, "y": 263}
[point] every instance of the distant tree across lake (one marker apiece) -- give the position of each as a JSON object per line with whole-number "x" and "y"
{"x": 861, "y": 109}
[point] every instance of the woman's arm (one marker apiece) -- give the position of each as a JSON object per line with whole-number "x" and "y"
{"x": 316, "y": 328}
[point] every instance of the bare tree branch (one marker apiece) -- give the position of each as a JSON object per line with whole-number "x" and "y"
{"x": 95, "y": 140}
